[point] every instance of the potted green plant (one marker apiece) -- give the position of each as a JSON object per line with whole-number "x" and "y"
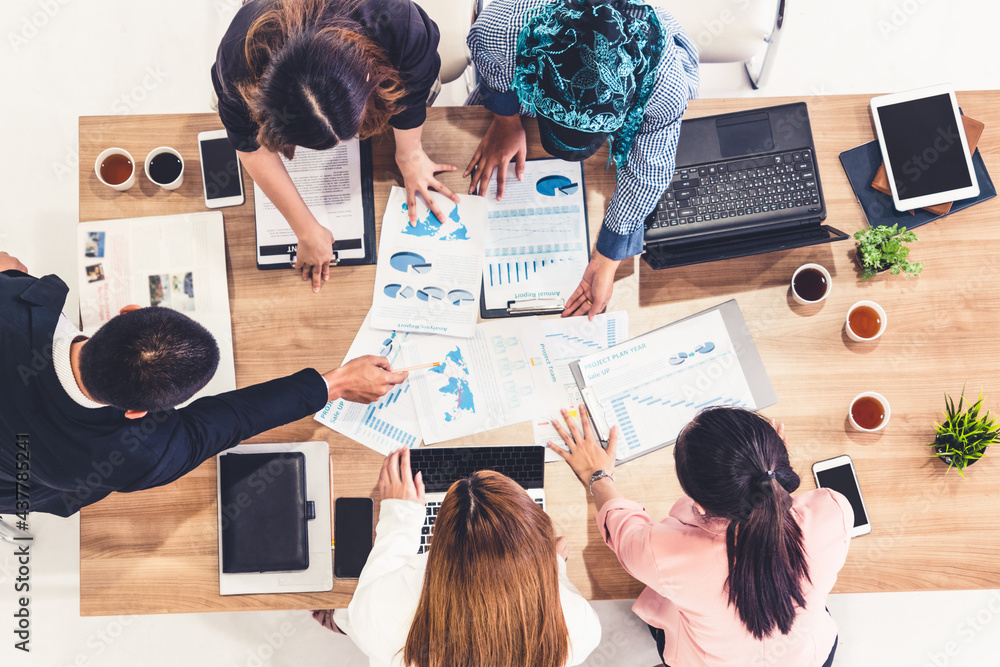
{"x": 881, "y": 248}
{"x": 963, "y": 437}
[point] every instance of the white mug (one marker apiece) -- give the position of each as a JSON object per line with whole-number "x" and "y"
{"x": 885, "y": 409}
{"x": 174, "y": 184}
{"x": 881, "y": 314}
{"x": 822, "y": 270}
{"x": 128, "y": 182}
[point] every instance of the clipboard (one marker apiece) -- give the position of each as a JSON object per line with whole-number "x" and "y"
{"x": 660, "y": 342}
{"x": 529, "y": 256}
{"x": 283, "y": 254}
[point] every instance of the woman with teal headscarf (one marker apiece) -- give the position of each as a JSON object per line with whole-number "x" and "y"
{"x": 590, "y": 71}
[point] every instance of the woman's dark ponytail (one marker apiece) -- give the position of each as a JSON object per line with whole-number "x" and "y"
{"x": 734, "y": 464}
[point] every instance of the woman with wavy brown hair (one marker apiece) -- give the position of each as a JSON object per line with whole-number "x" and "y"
{"x": 492, "y": 591}
{"x": 313, "y": 73}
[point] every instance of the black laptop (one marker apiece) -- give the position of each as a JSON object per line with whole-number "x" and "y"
{"x": 744, "y": 183}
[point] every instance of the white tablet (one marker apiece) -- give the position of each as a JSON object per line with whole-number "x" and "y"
{"x": 924, "y": 148}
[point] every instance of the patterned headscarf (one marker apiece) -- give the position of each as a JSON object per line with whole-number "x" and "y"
{"x": 590, "y": 65}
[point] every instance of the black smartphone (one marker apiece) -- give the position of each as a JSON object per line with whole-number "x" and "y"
{"x": 220, "y": 170}
{"x": 838, "y": 474}
{"x": 352, "y": 536}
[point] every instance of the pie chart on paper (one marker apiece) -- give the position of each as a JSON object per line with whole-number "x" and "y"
{"x": 460, "y": 296}
{"x": 430, "y": 294}
{"x": 552, "y": 186}
{"x": 397, "y": 291}
{"x": 405, "y": 261}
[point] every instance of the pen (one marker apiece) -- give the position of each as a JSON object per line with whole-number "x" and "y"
{"x": 418, "y": 368}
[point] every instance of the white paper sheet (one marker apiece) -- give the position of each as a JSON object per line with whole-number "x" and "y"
{"x": 536, "y": 239}
{"x": 391, "y": 422}
{"x": 428, "y": 277}
{"x": 653, "y": 386}
{"x": 485, "y": 383}
{"x": 566, "y": 340}
{"x": 330, "y": 184}
{"x": 171, "y": 261}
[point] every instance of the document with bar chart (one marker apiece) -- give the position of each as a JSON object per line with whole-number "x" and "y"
{"x": 389, "y": 423}
{"x": 537, "y": 243}
{"x": 429, "y": 275}
{"x": 564, "y": 341}
{"x": 653, "y": 385}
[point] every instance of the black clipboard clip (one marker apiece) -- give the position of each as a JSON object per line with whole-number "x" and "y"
{"x": 535, "y": 306}
{"x": 346, "y": 244}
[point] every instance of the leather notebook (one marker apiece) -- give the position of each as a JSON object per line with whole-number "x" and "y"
{"x": 264, "y": 512}
{"x": 973, "y": 130}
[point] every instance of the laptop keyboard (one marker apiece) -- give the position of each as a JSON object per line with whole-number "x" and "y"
{"x": 427, "y": 531}
{"x": 779, "y": 186}
{"x": 442, "y": 466}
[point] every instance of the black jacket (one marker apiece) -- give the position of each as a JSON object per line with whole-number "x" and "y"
{"x": 78, "y": 455}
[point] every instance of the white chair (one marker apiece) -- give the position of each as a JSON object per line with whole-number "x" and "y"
{"x": 729, "y": 31}
{"x": 453, "y": 18}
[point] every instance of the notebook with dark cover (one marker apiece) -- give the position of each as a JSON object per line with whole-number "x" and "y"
{"x": 861, "y": 165}
{"x": 264, "y": 512}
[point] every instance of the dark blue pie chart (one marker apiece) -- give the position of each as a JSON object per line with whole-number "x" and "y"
{"x": 551, "y": 186}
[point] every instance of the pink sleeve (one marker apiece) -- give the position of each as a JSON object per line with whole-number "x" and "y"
{"x": 627, "y": 529}
{"x": 847, "y": 525}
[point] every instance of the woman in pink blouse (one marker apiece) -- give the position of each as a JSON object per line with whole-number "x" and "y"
{"x": 739, "y": 572}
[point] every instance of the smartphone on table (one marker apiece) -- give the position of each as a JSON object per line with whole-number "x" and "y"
{"x": 352, "y": 536}
{"x": 838, "y": 474}
{"x": 221, "y": 176}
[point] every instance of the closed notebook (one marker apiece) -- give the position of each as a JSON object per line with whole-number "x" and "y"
{"x": 264, "y": 512}
{"x": 862, "y": 163}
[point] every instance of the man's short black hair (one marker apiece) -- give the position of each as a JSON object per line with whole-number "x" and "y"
{"x": 148, "y": 359}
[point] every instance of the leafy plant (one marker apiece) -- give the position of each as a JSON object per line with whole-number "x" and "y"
{"x": 964, "y": 436}
{"x": 881, "y": 248}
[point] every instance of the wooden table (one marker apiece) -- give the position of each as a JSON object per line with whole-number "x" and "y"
{"x": 156, "y": 551}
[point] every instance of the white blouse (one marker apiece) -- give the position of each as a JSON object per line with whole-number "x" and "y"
{"x": 385, "y": 602}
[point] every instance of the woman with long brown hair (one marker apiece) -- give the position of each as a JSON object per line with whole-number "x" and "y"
{"x": 492, "y": 591}
{"x": 738, "y": 574}
{"x": 313, "y": 73}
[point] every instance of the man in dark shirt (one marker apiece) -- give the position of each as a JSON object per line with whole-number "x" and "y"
{"x": 85, "y": 417}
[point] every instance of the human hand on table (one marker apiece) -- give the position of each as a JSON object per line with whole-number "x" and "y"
{"x": 314, "y": 253}
{"x": 504, "y": 141}
{"x": 562, "y": 547}
{"x": 418, "y": 174}
{"x": 11, "y": 263}
{"x": 362, "y": 380}
{"x": 397, "y": 480}
{"x": 585, "y": 455}
{"x": 780, "y": 428}
{"x": 594, "y": 292}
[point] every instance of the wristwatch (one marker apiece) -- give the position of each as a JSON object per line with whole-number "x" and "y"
{"x": 598, "y": 474}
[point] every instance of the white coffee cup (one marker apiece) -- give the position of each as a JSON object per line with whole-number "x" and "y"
{"x": 174, "y": 184}
{"x": 826, "y": 274}
{"x": 885, "y": 410}
{"x": 881, "y": 315}
{"x": 128, "y": 182}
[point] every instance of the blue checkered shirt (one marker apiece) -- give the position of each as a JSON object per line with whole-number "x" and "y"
{"x": 650, "y": 164}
